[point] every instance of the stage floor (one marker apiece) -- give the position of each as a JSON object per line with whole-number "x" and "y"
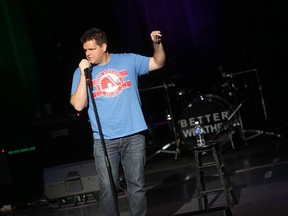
{"x": 258, "y": 172}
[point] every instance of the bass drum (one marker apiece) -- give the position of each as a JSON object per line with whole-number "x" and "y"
{"x": 212, "y": 112}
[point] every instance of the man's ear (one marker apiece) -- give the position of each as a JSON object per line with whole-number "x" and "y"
{"x": 104, "y": 47}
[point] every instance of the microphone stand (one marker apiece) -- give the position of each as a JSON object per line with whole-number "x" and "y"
{"x": 88, "y": 75}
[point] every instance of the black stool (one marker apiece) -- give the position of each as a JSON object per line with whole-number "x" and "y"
{"x": 200, "y": 153}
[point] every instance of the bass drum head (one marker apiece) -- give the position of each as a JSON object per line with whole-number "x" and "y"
{"x": 212, "y": 112}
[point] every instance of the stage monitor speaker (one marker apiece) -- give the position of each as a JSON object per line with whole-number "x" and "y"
{"x": 71, "y": 179}
{"x": 217, "y": 211}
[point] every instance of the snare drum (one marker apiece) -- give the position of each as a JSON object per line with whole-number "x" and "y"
{"x": 212, "y": 111}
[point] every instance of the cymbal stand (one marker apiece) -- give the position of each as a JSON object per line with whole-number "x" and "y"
{"x": 227, "y": 126}
{"x": 239, "y": 117}
{"x": 255, "y": 132}
{"x": 170, "y": 117}
{"x": 260, "y": 132}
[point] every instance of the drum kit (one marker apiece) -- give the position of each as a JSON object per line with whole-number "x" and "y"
{"x": 219, "y": 116}
{"x": 214, "y": 114}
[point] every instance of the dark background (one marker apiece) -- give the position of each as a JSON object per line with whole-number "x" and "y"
{"x": 203, "y": 39}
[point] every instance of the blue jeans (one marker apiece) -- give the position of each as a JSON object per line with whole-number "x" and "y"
{"x": 131, "y": 151}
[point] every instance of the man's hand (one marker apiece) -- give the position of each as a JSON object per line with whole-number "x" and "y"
{"x": 83, "y": 65}
{"x": 156, "y": 36}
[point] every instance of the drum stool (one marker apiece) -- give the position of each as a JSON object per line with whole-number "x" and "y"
{"x": 200, "y": 153}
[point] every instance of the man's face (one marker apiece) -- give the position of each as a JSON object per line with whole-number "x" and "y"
{"x": 94, "y": 53}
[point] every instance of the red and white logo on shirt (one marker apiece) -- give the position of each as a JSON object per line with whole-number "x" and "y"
{"x": 110, "y": 83}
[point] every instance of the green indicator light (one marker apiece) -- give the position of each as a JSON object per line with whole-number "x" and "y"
{"x": 16, "y": 151}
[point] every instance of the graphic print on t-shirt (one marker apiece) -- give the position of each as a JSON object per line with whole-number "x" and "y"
{"x": 110, "y": 83}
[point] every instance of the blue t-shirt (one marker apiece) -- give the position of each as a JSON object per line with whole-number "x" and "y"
{"x": 115, "y": 91}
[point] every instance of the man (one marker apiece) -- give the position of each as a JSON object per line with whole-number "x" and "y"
{"x": 114, "y": 78}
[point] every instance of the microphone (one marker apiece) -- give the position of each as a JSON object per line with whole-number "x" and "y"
{"x": 88, "y": 74}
